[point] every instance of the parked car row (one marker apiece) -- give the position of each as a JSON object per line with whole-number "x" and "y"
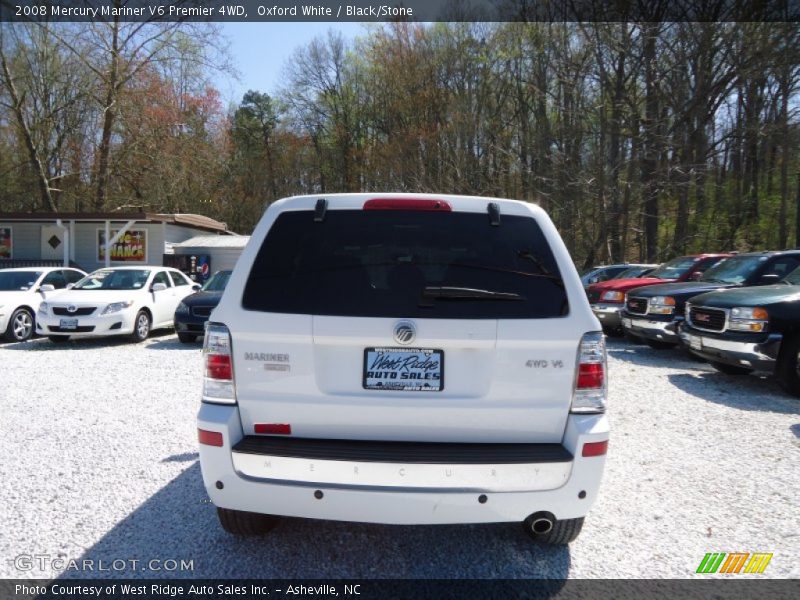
{"x": 607, "y": 298}
{"x": 65, "y": 303}
{"x": 739, "y": 312}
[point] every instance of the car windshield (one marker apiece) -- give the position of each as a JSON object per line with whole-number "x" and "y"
{"x": 675, "y": 268}
{"x": 733, "y": 270}
{"x": 633, "y": 272}
{"x": 217, "y": 282}
{"x": 112, "y": 279}
{"x": 16, "y": 281}
{"x": 792, "y": 278}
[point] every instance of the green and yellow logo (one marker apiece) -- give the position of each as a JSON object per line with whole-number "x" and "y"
{"x": 734, "y": 562}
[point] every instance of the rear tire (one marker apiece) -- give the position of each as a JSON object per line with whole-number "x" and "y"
{"x": 562, "y": 533}
{"x": 239, "y": 522}
{"x": 788, "y": 363}
{"x": 141, "y": 327}
{"x": 58, "y": 339}
{"x": 614, "y": 332}
{"x": 729, "y": 369}
{"x": 657, "y": 345}
{"x": 20, "y": 326}
{"x": 186, "y": 338}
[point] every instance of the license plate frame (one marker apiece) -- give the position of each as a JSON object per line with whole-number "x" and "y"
{"x": 68, "y": 324}
{"x": 423, "y": 363}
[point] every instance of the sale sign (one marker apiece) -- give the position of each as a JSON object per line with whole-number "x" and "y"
{"x": 130, "y": 247}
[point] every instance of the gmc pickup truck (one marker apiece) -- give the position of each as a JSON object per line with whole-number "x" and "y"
{"x": 749, "y": 330}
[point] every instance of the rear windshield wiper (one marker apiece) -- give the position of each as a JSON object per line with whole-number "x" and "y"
{"x": 432, "y": 292}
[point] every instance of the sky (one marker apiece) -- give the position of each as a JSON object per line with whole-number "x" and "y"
{"x": 260, "y": 50}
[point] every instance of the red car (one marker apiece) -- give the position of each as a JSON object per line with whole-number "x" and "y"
{"x": 607, "y": 298}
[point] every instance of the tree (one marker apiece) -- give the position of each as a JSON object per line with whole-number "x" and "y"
{"x": 116, "y": 52}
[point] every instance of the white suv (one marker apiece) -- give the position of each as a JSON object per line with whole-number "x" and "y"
{"x": 404, "y": 359}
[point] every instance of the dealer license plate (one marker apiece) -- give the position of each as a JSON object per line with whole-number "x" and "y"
{"x": 68, "y": 323}
{"x": 695, "y": 342}
{"x": 403, "y": 369}
{"x": 626, "y": 323}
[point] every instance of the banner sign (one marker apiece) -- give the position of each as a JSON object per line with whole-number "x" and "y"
{"x": 381, "y": 11}
{"x": 130, "y": 247}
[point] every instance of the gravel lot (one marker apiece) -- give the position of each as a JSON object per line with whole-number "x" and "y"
{"x": 99, "y": 462}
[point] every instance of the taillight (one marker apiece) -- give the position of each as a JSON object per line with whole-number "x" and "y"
{"x": 209, "y": 438}
{"x": 218, "y": 366}
{"x": 589, "y": 395}
{"x": 407, "y": 204}
{"x": 218, "y": 381}
{"x": 590, "y": 376}
{"x": 595, "y": 448}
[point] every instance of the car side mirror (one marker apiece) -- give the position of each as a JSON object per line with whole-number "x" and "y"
{"x": 158, "y": 287}
{"x": 769, "y": 279}
{"x": 197, "y": 287}
{"x": 47, "y": 288}
{"x": 696, "y": 276}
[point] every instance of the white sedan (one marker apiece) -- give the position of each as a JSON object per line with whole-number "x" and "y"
{"x": 116, "y": 301}
{"x": 22, "y": 290}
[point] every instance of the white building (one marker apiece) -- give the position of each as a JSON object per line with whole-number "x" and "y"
{"x": 94, "y": 240}
{"x": 222, "y": 250}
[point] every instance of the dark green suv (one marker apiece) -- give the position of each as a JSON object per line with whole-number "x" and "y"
{"x": 746, "y": 330}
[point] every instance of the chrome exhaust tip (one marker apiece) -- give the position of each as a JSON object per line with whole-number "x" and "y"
{"x": 542, "y": 526}
{"x": 541, "y": 523}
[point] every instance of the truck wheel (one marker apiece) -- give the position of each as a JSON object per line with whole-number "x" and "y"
{"x": 20, "y": 326}
{"x": 657, "y": 345}
{"x": 562, "y": 532}
{"x": 614, "y": 332}
{"x": 58, "y": 339}
{"x": 239, "y": 522}
{"x": 788, "y": 364}
{"x": 186, "y": 338}
{"x": 729, "y": 369}
{"x": 141, "y": 326}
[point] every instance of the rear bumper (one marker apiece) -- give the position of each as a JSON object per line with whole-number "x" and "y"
{"x": 608, "y": 314}
{"x": 662, "y": 331}
{"x": 414, "y": 491}
{"x": 761, "y": 356}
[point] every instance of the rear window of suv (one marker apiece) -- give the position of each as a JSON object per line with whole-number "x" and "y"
{"x": 406, "y": 264}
